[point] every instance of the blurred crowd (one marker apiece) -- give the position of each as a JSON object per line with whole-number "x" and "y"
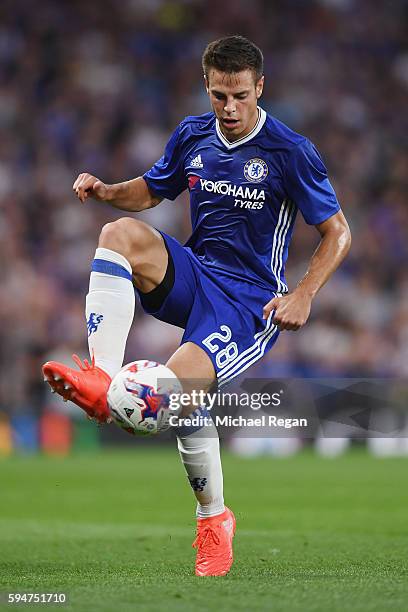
{"x": 99, "y": 86}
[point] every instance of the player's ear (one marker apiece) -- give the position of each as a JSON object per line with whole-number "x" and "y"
{"x": 206, "y": 84}
{"x": 259, "y": 86}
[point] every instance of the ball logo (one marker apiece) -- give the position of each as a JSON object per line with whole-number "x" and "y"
{"x": 255, "y": 170}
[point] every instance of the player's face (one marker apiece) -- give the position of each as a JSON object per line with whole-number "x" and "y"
{"x": 234, "y": 99}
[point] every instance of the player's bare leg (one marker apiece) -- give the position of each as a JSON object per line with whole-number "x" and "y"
{"x": 200, "y": 453}
{"x": 129, "y": 251}
{"x": 142, "y": 246}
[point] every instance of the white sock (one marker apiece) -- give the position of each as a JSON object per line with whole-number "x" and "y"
{"x": 110, "y": 306}
{"x": 200, "y": 454}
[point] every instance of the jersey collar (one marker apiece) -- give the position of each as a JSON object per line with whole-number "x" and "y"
{"x": 255, "y": 130}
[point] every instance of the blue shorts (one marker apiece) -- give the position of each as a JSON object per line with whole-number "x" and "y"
{"x": 221, "y": 314}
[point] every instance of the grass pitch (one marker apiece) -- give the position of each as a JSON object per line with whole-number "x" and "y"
{"x": 113, "y": 531}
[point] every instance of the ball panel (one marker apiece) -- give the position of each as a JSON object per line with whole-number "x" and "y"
{"x": 139, "y": 397}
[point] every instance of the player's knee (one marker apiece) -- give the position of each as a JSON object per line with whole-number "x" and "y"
{"x": 126, "y": 236}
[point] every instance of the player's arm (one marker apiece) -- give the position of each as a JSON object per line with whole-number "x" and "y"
{"x": 166, "y": 179}
{"x": 132, "y": 196}
{"x": 292, "y": 310}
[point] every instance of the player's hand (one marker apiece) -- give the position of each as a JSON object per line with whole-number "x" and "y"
{"x": 291, "y": 311}
{"x": 87, "y": 185}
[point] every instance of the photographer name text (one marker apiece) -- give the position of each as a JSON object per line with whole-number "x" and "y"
{"x": 238, "y": 421}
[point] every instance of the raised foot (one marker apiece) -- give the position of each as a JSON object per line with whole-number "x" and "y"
{"x": 86, "y": 387}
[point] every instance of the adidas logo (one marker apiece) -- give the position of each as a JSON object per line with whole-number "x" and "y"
{"x": 196, "y": 162}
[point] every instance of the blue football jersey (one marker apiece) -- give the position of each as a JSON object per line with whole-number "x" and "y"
{"x": 244, "y": 194}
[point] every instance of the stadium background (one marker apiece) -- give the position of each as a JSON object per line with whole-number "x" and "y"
{"x": 99, "y": 86}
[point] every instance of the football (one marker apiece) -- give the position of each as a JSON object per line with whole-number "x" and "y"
{"x": 139, "y": 397}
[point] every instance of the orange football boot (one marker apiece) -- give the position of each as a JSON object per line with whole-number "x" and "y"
{"x": 86, "y": 387}
{"x": 214, "y": 544}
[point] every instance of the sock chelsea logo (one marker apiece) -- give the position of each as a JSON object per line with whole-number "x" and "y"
{"x": 93, "y": 322}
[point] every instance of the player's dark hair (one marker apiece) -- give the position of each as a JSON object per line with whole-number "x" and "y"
{"x": 233, "y": 54}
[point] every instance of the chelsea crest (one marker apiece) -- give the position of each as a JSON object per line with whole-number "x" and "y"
{"x": 255, "y": 170}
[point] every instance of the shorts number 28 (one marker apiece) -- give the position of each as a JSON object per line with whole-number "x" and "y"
{"x": 224, "y": 355}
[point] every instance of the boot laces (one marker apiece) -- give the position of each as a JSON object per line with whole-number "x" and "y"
{"x": 206, "y": 535}
{"x": 85, "y": 365}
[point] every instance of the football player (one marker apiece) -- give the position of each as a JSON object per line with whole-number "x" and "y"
{"x": 248, "y": 175}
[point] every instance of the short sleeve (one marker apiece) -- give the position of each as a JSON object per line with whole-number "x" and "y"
{"x": 308, "y": 185}
{"x": 166, "y": 178}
